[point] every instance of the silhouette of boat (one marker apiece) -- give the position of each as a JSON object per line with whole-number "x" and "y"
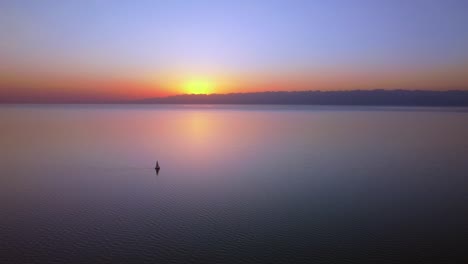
{"x": 157, "y": 166}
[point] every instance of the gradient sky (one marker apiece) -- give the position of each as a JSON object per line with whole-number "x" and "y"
{"x": 54, "y": 50}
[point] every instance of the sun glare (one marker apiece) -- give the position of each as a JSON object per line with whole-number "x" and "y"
{"x": 198, "y": 87}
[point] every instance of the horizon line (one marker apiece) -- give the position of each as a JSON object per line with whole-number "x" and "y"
{"x": 282, "y": 97}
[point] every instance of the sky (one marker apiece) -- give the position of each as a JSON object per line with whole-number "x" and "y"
{"x": 54, "y": 50}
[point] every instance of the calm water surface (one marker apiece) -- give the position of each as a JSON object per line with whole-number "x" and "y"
{"x": 243, "y": 184}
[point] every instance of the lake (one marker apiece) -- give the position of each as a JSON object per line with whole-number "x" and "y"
{"x": 238, "y": 184}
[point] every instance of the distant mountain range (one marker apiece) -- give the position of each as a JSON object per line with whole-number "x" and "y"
{"x": 354, "y": 97}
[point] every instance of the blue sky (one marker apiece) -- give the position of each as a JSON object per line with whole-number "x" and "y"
{"x": 216, "y": 37}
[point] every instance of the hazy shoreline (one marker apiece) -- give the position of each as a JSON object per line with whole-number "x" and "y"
{"x": 451, "y": 98}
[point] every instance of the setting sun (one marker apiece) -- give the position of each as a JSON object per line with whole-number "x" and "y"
{"x": 198, "y": 87}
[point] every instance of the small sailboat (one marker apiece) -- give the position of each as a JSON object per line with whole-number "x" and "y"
{"x": 157, "y": 168}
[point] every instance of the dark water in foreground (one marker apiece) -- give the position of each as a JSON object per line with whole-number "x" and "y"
{"x": 243, "y": 184}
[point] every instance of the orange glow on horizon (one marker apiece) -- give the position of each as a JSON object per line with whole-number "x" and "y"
{"x": 38, "y": 87}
